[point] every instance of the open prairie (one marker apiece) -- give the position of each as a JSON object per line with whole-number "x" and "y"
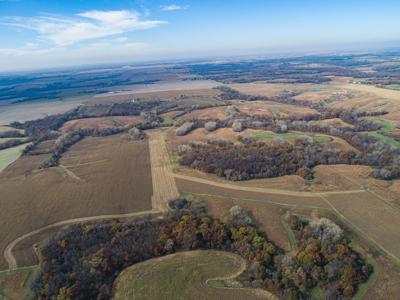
{"x": 371, "y": 98}
{"x": 273, "y": 109}
{"x": 98, "y": 176}
{"x": 193, "y": 274}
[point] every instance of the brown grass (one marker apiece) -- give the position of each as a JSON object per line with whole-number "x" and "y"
{"x": 335, "y": 122}
{"x": 370, "y": 98}
{"x": 260, "y": 88}
{"x": 100, "y": 175}
{"x": 199, "y": 135}
{"x": 205, "y": 114}
{"x": 273, "y": 109}
{"x": 101, "y": 123}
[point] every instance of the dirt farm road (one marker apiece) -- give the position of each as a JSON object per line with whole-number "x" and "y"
{"x": 164, "y": 187}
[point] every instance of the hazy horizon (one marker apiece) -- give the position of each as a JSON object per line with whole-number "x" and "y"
{"x": 45, "y": 34}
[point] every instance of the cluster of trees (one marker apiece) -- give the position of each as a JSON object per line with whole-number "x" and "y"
{"x": 13, "y": 143}
{"x": 185, "y": 128}
{"x": 136, "y": 134}
{"x": 323, "y": 259}
{"x": 83, "y": 261}
{"x": 256, "y": 159}
{"x": 62, "y": 143}
{"x": 11, "y": 134}
{"x": 40, "y": 127}
{"x": 373, "y": 152}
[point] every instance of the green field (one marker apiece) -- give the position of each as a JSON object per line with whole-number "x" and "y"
{"x": 16, "y": 284}
{"x": 184, "y": 276}
{"x": 385, "y": 139}
{"x": 8, "y": 156}
{"x": 392, "y": 86}
{"x": 166, "y": 122}
{"x": 289, "y": 232}
{"x": 291, "y": 136}
{"x": 386, "y": 125}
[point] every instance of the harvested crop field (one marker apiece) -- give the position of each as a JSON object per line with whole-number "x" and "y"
{"x": 245, "y": 193}
{"x": 191, "y": 270}
{"x": 376, "y": 219}
{"x": 164, "y": 95}
{"x": 101, "y": 123}
{"x": 386, "y": 285}
{"x": 97, "y": 176}
{"x": 289, "y": 182}
{"x": 345, "y": 177}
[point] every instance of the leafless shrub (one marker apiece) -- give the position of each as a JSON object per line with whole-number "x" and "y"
{"x": 184, "y": 129}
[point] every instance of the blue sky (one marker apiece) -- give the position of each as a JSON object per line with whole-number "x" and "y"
{"x": 59, "y": 33}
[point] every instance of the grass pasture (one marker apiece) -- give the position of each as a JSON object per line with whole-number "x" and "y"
{"x": 191, "y": 271}
{"x": 8, "y": 156}
{"x": 15, "y": 285}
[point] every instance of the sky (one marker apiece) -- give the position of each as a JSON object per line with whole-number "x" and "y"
{"x": 41, "y": 34}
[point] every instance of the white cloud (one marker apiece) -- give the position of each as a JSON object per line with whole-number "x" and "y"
{"x": 173, "y": 7}
{"x": 33, "y": 57}
{"x": 85, "y": 26}
{"x": 122, "y": 39}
